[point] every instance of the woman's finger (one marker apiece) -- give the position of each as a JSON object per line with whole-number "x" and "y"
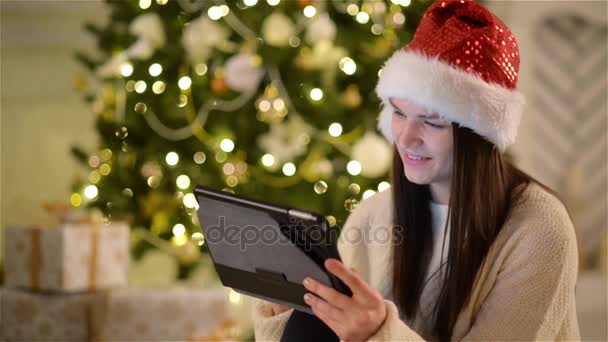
{"x": 323, "y": 308}
{"x": 330, "y": 295}
{"x": 350, "y": 278}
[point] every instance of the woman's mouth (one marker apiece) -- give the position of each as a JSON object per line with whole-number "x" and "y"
{"x": 413, "y": 159}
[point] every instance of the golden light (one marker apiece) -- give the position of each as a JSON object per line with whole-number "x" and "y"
{"x": 155, "y": 69}
{"x": 76, "y": 200}
{"x": 362, "y": 17}
{"x": 347, "y": 65}
{"x": 335, "y": 129}
{"x": 267, "y": 160}
{"x": 310, "y": 11}
{"x": 316, "y": 94}
{"x": 289, "y": 169}
{"x": 140, "y": 87}
{"x": 190, "y": 201}
{"x": 214, "y": 12}
{"x": 144, "y": 4}
{"x": 201, "y": 69}
{"x": 353, "y": 167}
{"x": 91, "y": 191}
{"x": 184, "y": 83}
{"x": 227, "y": 145}
{"x": 126, "y": 69}
{"x": 179, "y": 229}
{"x": 172, "y": 158}
{"x": 158, "y": 87}
{"x": 183, "y": 181}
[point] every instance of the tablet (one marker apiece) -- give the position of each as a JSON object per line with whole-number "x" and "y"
{"x": 266, "y": 250}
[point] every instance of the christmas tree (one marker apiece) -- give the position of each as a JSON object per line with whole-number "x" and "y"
{"x": 264, "y": 98}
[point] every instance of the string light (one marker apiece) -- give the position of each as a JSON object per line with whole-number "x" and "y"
{"x": 182, "y": 181}
{"x": 362, "y": 17}
{"x": 140, "y": 87}
{"x": 316, "y": 94}
{"x": 353, "y": 9}
{"x": 348, "y": 66}
{"x": 201, "y": 69}
{"x": 155, "y": 69}
{"x": 200, "y": 157}
{"x": 172, "y": 158}
{"x": 250, "y": 2}
{"x": 184, "y": 83}
{"x": 144, "y": 4}
{"x": 335, "y": 129}
{"x": 179, "y": 230}
{"x": 105, "y": 169}
{"x": 75, "y": 200}
{"x": 190, "y": 201}
{"x": 158, "y": 87}
{"x": 126, "y": 69}
{"x": 405, "y": 3}
{"x": 267, "y": 160}
{"x": 214, "y": 12}
{"x": 225, "y": 10}
{"x": 353, "y": 167}
{"x": 273, "y": 2}
{"x": 199, "y": 238}
{"x": 289, "y": 169}
{"x": 91, "y": 191}
{"x": 227, "y": 145}
{"x": 162, "y": 2}
{"x": 310, "y": 11}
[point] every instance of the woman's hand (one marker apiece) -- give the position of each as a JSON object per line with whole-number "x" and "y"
{"x": 353, "y": 318}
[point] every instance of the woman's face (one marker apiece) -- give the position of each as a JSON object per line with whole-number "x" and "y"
{"x": 425, "y": 143}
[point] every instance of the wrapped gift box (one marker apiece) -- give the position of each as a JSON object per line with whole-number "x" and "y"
{"x": 66, "y": 257}
{"x": 31, "y": 316}
{"x": 176, "y": 314}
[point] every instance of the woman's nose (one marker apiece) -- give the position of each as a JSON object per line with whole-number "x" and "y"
{"x": 409, "y": 134}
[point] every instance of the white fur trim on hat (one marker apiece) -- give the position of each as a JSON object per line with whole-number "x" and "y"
{"x": 489, "y": 109}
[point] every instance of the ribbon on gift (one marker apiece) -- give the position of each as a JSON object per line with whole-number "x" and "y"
{"x": 36, "y": 260}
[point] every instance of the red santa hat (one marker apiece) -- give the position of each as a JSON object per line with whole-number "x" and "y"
{"x": 462, "y": 63}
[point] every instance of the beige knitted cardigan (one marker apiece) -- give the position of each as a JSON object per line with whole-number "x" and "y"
{"x": 524, "y": 292}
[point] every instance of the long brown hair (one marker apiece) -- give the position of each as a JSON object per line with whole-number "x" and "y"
{"x": 482, "y": 190}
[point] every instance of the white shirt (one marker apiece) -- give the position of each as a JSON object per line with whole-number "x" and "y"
{"x": 439, "y": 214}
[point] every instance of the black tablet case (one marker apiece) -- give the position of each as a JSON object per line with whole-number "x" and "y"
{"x": 265, "y": 250}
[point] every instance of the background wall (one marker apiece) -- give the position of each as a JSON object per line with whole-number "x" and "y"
{"x": 42, "y": 114}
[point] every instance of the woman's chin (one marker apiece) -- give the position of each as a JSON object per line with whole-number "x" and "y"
{"x": 416, "y": 179}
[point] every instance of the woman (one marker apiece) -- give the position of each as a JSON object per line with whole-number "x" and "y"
{"x": 477, "y": 249}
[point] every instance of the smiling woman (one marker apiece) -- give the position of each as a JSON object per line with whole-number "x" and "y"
{"x": 477, "y": 249}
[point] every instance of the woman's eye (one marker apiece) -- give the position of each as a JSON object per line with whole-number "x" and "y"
{"x": 434, "y": 125}
{"x": 398, "y": 113}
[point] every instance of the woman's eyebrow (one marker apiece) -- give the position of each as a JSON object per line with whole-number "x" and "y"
{"x": 422, "y": 116}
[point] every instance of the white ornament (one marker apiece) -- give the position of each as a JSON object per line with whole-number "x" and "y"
{"x": 374, "y": 154}
{"x": 111, "y": 68}
{"x": 286, "y": 140}
{"x": 201, "y": 36}
{"x": 243, "y": 72}
{"x": 150, "y": 36}
{"x": 277, "y": 28}
{"x": 321, "y": 28}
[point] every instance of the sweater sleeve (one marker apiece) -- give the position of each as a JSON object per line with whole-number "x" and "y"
{"x": 530, "y": 297}
{"x": 351, "y": 247}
